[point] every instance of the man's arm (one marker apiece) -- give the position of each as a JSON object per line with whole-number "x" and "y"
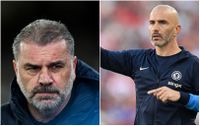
{"x": 167, "y": 94}
{"x": 193, "y": 103}
{"x": 117, "y": 61}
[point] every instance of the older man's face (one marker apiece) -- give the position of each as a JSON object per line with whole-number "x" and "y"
{"x": 45, "y": 74}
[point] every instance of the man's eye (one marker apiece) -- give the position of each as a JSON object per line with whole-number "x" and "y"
{"x": 151, "y": 22}
{"x": 163, "y": 22}
{"x": 56, "y": 67}
{"x": 32, "y": 70}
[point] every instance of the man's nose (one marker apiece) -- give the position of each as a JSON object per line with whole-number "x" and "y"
{"x": 45, "y": 77}
{"x": 156, "y": 27}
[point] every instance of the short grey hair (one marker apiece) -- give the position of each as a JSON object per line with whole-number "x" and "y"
{"x": 43, "y": 32}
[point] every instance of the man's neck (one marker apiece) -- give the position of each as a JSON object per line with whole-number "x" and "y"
{"x": 46, "y": 118}
{"x": 171, "y": 48}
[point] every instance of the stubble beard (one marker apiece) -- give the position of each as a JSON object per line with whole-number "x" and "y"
{"x": 165, "y": 40}
{"x": 46, "y": 108}
{"x": 159, "y": 43}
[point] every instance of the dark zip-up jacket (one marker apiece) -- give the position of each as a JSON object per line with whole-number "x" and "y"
{"x": 149, "y": 71}
{"x": 82, "y": 108}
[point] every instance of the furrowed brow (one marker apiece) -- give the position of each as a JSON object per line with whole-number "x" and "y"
{"x": 31, "y": 65}
{"x": 56, "y": 63}
{"x": 163, "y": 21}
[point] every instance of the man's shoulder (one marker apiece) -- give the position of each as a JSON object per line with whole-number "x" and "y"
{"x": 194, "y": 58}
{"x": 87, "y": 79}
{"x": 6, "y": 114}
{"x": 191, "y": 57}
{"x": 86, "y": 84}
{"x": 5, "y": 108}
{"x": 84, "y": 71}
{"x": 140, "y": 51}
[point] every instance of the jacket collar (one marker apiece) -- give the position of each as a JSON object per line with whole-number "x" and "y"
{"x": 184, "y": 54}
{"x": 85, "y": 71}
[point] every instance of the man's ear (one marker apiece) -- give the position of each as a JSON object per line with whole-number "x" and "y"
{"x": 15, "y": 66}
{"x": 75, "y": 60}
{"x": 178, "y": 29}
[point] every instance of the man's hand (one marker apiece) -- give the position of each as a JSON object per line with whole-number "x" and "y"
{"x": 165, "y": 94}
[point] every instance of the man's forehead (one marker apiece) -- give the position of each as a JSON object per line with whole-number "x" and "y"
{"x": 32, "y": 44}
{"x": 46, "y": 53}
{"x": 158, "y": 19}
{"x": 42, "y": 61}
{"x": 36, "y": 49}
{"x": 164, "y": 12}
{"x": 29, "y": 63}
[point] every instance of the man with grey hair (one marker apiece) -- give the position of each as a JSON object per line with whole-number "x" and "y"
{"x": 51, "y": 86}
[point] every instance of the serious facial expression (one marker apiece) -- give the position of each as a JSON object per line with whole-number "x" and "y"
{"x": 162, "y": 28}
{"x": 45, "y": 74}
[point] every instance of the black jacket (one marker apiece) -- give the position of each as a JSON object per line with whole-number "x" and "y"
{"x": 83, "y": 106}
{"x": 149, "y": 71}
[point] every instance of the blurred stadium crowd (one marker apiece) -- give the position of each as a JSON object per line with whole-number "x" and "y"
{"x": 124, "y": 25}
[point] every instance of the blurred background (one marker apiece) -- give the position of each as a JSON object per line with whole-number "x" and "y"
{"x": 81, "y": 18}
{"x": 124, "y": 25}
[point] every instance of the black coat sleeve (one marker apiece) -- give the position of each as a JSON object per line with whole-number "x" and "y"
{"x": 123, "y": 62}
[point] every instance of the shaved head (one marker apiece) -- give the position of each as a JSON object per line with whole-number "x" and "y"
{"x": 167, "y": 11}
{"x": 164, "y": 26}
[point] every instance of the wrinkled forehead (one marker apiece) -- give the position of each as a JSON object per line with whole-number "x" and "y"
{"x": 32, "y": 52}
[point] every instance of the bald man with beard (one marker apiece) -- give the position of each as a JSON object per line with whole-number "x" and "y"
{"x": 166, "y": 78}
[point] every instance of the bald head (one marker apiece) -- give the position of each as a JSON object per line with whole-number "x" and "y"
{"x": 165, "y": 12}
{"x": 164, "y": 26}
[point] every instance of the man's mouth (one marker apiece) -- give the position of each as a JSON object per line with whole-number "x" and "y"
{"x": 46, "y": 94}
{"x": 156, "y": 36}
{"x": 43, "y": 92}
